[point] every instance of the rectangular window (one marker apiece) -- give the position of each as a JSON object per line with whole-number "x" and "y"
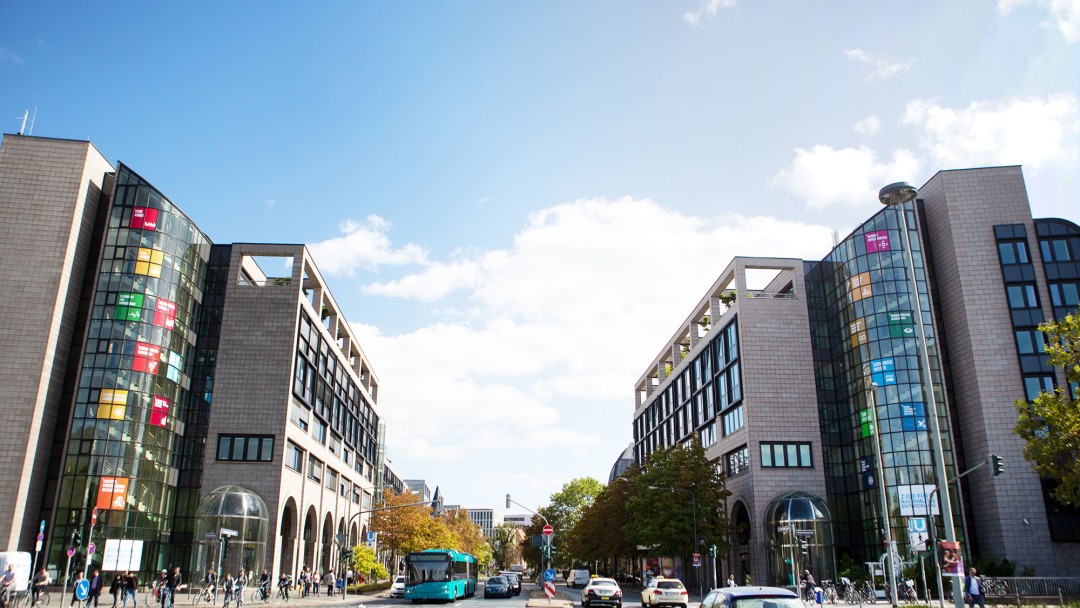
{"x": 733, "y": 420}
{"x": 732, "y": 342}
{"x": 299, "y": 415}
{"x": 1030, "y": 341}
{"x": 1014, "y": 252}
{"x": 315, "y": 470}
{"x": 320, "y": 432}
{"x": 294, "y": 457}
{"x": 786, "y": 455}
{"x": 736, "y": 383}
{"x": 245, "y": 448}
{"x": 1022, "y": 296}
{"x": 1033, "y": 385}
{"x": 737, "y": 461}
{"x": 331, "y": 478}
{"x": 1065, "y": 294}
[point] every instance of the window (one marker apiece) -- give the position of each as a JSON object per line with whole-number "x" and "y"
{"x": 1013, "y": 253}
{"x": 1022, "y": 296}
{"x": 245, "y": 448}
{"x": 1065, "y": 294}
{"x": 732, "y": 342}
{"x": 331, "y": 478}
{"x": 1030, "y": 341}
{"x": 299, "y": 415}
{"x": 314, "y": 470}
{"x": 786, "y": 455}
{"x": 1055, "y": 250}
{"x": 736, "y": 383}
{"x": 733, "y": 420}
{"x": 737, "y": 461}
{"x": 1033, "y": 385}
{"x": 320, "y": 432}
{"x": 294, "y": 457}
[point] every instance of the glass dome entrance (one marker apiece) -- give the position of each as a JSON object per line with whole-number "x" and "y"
{"x": 798, "y": 532}
{"x": 222, "y": 512}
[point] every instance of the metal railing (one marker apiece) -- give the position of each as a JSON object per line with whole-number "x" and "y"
{"x": 1032, "y": 586}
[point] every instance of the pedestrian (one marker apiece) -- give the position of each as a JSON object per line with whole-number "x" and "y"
{"x": 241, "y": 584}
{"x": 78, "y": 579}
{"x": 7, "y": 585}
{"x": 731, "y": 580}
{"x": 116, "y": 589}
{"x": 172, "y": 583}
{"x": 316, "y": 582}
{"x": 131, "y": 584}
{"x": 96, "y": 582}
{"x": 330, "y": 584}
{"x": 973, "y": 589}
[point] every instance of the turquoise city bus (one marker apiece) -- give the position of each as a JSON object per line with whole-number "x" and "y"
{"x": 439, "y": 574}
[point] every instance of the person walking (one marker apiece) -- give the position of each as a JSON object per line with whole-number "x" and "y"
{"x": 116, "y": 589}
{"x": 316, "y": 582}
{"x": 74, "y": 598}
{"x": 330, "y": 580}
{"x": 731, "y": 580}
{"x": 96, "y": 582}
{"x": 973, "y": 589}
{"x": 241, "y": 584}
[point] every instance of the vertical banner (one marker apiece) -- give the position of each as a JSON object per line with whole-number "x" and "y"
{"x": 952, "y": 564}
{"x": 159, "y": 414}
{"x": 112, "y": 493}
{"x": 876, "y": 241}
{"x": 144, "y": 218}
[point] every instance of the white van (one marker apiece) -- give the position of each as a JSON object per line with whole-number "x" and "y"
{"x": 578, "y": 578}
{"x": 21, "y": 561}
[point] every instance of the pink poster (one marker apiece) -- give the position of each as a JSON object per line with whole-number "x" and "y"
{"x": 159, "y": 415}
{"x": 144, "y": 218}
{"x": 877, "y": 240}
{"x": 165, "y": 313}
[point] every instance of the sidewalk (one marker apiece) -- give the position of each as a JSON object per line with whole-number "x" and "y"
{"x": 320, "y": 601}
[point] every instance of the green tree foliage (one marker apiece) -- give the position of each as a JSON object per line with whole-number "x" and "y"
{"x": 562, "y": 512}
{"x": 1051, "y": 424}
{"x": 664, "y": 519}
{"x": 365, "y": 561}
{"x": 507, "y": 546}
{"x": 605, "y": 528}
{"x": 469, "y": 536}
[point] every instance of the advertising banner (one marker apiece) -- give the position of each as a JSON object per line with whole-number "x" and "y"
{"x": 901, "y": 325}
{"x": 143, "y": 218}
{"x": 147, "y": 358}
{"x": 952, "y": 561}
{"x": 914, "y": 500}
{"x": 882, "y": 371}
{"x": 112, "y": 493}
{"x": 165, "y": 313}
{"x": 859, "y": 286}
{"x": 159, "y": 413}
{"x": 877, "y": 240}
{"x": 112, "y": 404}
{"x": 122, "y": 555}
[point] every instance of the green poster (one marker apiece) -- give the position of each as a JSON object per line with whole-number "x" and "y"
{"x": 864, "y": 416}
{"x": 129, "y": 299}
{"x": 867, "y": 429}
{"x": 901, "y": 325}
{"x": 125, "y": 313}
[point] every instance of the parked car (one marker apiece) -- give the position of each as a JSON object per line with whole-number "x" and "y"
{"x": 665, "y": 592}
{"x": 498, "y": 586}
{"x": 751, "y": 597}
{"x": 515, "y": 581}
{"x": 601, "y": 592}
{"x": 397, "y": 589}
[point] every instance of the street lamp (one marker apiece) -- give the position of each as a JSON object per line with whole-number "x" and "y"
{"x": 545, "y": 561}
{"x": 693, "y": 545}
{"x": 890, "y": 572}
{"x": 897, "y": 195}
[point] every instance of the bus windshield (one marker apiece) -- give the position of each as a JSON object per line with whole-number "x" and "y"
{"x": 427, "y": 570}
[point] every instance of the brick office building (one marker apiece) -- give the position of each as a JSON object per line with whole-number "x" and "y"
{"x": 774, "y": 381}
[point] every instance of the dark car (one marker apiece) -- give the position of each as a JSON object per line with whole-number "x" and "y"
{"x": 751, "y": 597}
{"x": 515, "y": 581}
{"x": 498, "y": 586}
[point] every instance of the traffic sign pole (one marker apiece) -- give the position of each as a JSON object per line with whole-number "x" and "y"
{"x": 37, "y": 548}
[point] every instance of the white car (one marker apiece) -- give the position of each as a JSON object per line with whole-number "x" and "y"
{"x": 601, "y": 592}
{"x": 398, "y": 588}
{"x": 665, "y": 592}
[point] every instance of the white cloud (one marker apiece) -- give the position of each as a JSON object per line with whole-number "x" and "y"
{"x": 880, "y": 67}
{"x": 868, "y": 126}
{"x": 363, "y": 246}
{"x": 7, "y": 56}
{"x": 437, "y": 281}
{"x": 824, "y": 176}
{"x": 706, "y": 11}
{"x": 557, "y": 330}
{"x": 270, "y": 202}
{"x": 1033, "y": 132}
{"x": 1064, "y": 15}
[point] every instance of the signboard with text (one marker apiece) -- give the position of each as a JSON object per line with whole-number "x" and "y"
{"x": 112, "y": 493}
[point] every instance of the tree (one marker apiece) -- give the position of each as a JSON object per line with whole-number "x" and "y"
{"x": 664, "y": 519}
{"x": 507, "y": 546}
{"x": 365, "y": 561}
{"x": 469, "y": 536}
{"x": 409, "y": 527}
{"x": 1050, "y": 425}
{"x": 605, "y": 527}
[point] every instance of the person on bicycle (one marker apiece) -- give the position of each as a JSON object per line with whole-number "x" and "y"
{"x": 41, "y": 581}
{"x": 7, "y": 585}
{"x": 264, "y": 585}
{"x": 228, "y": 586}
{"x": 241, "y": 583}
{"x": 284, "y": 585}
{"x": 808, "y": 585}
{"x": 159, "y": 585}
{"x": 172, "y": 583}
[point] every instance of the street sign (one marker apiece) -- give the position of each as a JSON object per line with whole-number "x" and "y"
{"x": 783, "y": 528}
{"x": 804, "y": 533}
{"x": 918, "y": 533}
{"x": 93, "y": 517}
{"x": 209, "y": 536}
{"x": 91, "y": 548}
{"x": 549, "y": 575}
{"x": 697, "y": 560}
{"x": 548, "y": 530}
{"x": 228, "y": 532}
{"x": 37, "y": 546}
{"x": 82, "y": 590}
{"x": 71, "y": 551}
{"x": 42, "y": 527}
{"x": 549, "y": 589}
{"x": 41, "y": 536}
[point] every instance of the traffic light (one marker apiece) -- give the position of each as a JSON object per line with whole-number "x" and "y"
{"x": 712, "y": 550}
{"x": 804, "y": 548}
{"x": 507, "y": 501}
{"x": 76, "y": 539}
{"x": 997, "y": 465}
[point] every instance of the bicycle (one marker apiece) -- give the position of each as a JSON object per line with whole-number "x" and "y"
{"x": 831, "y": 597}
{"x": 261, "y": 595}
{"x": 994, "y": 587}
{"x": 205, "y": 595}
{"x": 152, "y": 596}
{"x": 281, "y": 597}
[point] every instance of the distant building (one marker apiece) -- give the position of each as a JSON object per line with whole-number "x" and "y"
{"x": 520, "y": 520}
{"x": 622, "y": 463}
{"x": 420, "y": 488}
{"x": 487, "y": 519}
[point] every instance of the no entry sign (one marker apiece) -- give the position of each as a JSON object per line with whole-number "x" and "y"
{"x": 548, "y": 530}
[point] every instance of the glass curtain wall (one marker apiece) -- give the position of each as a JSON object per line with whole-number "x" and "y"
{"x": 864, "y": 332}
{"x": 132, "y": 393}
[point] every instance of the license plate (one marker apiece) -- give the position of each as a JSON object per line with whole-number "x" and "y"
{"x": 603, "y": 597}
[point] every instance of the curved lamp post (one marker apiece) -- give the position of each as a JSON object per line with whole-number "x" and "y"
{"x": 693, "y": 545}
{"x": 898, "y": 194}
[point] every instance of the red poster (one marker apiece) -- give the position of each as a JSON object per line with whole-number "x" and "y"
{"x": 112, "y": 493}
{"x": 147, "y": 358}
{"x": 159, "y": 415}
{"x": 165, "y": 313}
{"x": 144, "y": 218}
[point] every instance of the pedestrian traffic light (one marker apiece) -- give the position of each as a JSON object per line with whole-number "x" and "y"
{"x": 997, "y": 465}
{"x": 76, "y": 538}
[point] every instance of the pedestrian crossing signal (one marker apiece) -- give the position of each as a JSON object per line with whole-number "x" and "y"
{"x": 997, "y": 465}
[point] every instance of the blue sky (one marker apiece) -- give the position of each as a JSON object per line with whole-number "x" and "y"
{"x": 517, "y": 203}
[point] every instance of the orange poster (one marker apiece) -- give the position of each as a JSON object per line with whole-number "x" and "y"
{"x": 112, "y": 493}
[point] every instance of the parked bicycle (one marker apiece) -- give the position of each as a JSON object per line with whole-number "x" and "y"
{"x": 831, "y": 596}
{"x": 994, "y": 587}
